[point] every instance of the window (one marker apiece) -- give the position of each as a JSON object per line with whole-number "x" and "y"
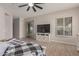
{"x": 64, "y": 26}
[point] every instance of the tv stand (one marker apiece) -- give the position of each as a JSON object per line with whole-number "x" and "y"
{"x": 45, "y": 37}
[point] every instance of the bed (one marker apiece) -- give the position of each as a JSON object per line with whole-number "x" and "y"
{"x": 17, "y": 47}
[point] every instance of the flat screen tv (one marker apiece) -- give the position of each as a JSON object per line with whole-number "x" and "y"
{"x": 44, "y": 28}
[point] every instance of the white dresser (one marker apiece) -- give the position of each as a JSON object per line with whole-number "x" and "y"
{"x": 45, "y": 37}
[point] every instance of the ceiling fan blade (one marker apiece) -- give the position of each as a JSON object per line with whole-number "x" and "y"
{"x": 23, "y": 5}
{"x": 38, "y": 3}
{"x": 28, "y": 8}
{"x": 38, "y": 6}
{"x": 34, "y": 9}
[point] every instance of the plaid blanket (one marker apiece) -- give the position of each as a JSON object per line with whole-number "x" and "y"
{"x": 24, "y": 50}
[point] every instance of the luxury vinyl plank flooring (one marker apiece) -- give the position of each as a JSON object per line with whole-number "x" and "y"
{"x": 57, "y": 49}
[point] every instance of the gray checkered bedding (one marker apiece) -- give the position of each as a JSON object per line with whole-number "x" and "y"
{"x": 22, "y": 49}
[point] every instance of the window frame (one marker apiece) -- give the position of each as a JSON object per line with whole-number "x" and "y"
{"x": 64, "y": 28}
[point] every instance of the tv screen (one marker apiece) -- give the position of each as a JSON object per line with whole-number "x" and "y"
{"x": 45, "y": 28}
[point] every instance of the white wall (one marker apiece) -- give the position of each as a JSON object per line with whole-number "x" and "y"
{"x": 74, "y": 13}
{"x": 8, "y": 26}
{"x": 51, "y": 19}
{"x": 2, "y": 24}
{"x": 22, "y": 28}
{"x": 5, "y": 24}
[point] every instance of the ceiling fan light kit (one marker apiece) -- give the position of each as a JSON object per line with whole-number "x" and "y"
{"x": 32, "y": 5}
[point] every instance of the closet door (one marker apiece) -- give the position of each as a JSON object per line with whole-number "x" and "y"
{"x": 16, "y": 27}
{"x": 8, "y": 26}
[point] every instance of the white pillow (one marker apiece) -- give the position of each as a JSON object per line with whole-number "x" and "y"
{"x": 12, "y": 40}
{"x": 3, "y": 47}
{"x": 15, "y": 41}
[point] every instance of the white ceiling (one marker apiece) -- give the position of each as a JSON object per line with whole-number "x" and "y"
{"x": 47, "y": 8}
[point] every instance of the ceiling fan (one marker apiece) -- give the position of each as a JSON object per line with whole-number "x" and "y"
{"x": 32, "y": 5}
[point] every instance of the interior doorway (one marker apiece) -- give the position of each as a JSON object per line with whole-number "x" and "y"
{"x": 30, "y": 32}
